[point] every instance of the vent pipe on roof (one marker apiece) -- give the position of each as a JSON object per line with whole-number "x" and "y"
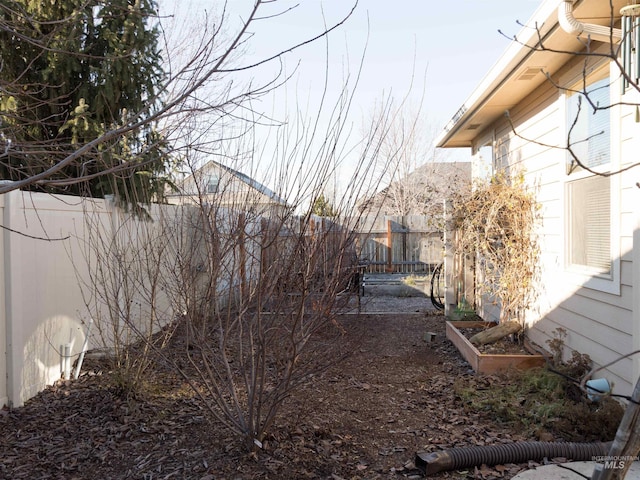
{"x": 573, "y": 26}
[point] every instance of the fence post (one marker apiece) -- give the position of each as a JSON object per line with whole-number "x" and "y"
{"x": 389, "y": 248}
{"x": 263, "y": 247}
{"x": 13, "y": 366}
{"x": 449, "y": 260}
{"x": 242, "y": 254}
{"x": 325, "y": 239}
{"x": 405, "y": 268}
{"x": 5, "y": 376}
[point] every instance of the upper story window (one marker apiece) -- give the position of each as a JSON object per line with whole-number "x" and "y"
{"x": 212, "y": 184}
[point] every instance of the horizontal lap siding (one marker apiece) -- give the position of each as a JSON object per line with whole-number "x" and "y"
{"x": 597, "y": 323}
{"x": 628, "y": 179}
{"x": 596, "y": 346}
{"x": 628, "y": 223}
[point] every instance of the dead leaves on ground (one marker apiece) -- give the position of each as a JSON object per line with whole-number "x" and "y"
{"x": 364, "y": 418}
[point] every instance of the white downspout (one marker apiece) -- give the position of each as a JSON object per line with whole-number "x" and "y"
{"x": 573, "y": 26}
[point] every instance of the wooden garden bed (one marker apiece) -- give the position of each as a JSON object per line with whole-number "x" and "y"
{"x": 488, "y": 363}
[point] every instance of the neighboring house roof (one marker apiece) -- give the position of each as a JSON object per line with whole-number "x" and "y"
{"x": 440, "y": 179}
{"x": 252, "y": 183}
{"x": 522, "y": 67}
{"x": 267, "y": 192}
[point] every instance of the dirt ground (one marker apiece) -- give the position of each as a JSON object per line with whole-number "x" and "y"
{"x": 364, "y": 418}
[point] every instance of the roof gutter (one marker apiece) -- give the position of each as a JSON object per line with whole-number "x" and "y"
{"x": 573, "y": 26}
{"x": 553, "y": 15}
{"x": 513, "y": 57}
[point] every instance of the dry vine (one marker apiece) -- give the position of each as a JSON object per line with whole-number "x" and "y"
{"x": 496, "y": 224}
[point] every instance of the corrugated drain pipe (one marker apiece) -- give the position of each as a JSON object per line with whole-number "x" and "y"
{"x": 461, "y": 458}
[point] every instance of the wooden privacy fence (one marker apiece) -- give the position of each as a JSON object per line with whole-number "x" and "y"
{"x": 319, "y": 246}
{"x": 399, "y": 244}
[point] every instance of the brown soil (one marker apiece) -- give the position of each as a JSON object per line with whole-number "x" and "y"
{"x": 363, "y": 418}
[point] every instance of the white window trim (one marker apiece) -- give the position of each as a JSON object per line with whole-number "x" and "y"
{"x": 486, "y": 140}
{"x": 209, "y": 181}
{"x": 580, "y": 277}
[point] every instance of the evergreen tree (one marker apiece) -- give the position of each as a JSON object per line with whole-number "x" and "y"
{"x": 71, "y": 71}
{"x": 322, "y": 207}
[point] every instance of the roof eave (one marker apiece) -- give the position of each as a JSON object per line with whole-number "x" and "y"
{"x": 543, "y": 23}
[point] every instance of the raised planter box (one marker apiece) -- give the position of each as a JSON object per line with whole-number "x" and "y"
{"x": 488, "y": 363}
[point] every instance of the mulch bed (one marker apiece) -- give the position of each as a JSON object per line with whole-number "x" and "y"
{"x": 363, "y": 418}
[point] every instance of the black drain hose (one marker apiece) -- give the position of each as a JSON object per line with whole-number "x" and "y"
{"x": 435, "y": 284}
{"x": 460, "y": 458}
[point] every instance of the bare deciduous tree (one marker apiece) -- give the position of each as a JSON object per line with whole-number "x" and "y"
{"x": 417, "y": 175}
{"x": 259, "y": 290}
{"x": 262, "y": 290}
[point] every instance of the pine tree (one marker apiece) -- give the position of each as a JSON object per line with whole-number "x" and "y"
{"x": 322, "y": 207}
{"x": 72, "y": 70}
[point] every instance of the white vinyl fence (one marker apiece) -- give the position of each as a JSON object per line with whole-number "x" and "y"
{"x": 48, "y": 270}
{"x": 68, "y": 262}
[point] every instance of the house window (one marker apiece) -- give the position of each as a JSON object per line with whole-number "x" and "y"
{"x": 589, "y": 201}
{"x": 482, "y": 167}
{"x": 212, "y": 184}
{"x": 589, "y": 196}
{"x": 589, "y": 131}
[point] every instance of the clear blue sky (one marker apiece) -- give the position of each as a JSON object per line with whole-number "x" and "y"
{"x": 448, "y": 46}
{"x": 454, "y": 42}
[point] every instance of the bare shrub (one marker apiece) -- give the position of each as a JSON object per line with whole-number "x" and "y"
{"x": 125, "y": 288}
{"x": 262, "y": 289}
{"x": 496, "y": 225}
{"x": 257, "y": 283}
{"x": 266, "y": 317}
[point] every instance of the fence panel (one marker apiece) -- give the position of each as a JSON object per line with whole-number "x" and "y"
{"x": 44, "y": 303}
{"x": 49, "y": 263}
{"x": 397, "y": 244}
